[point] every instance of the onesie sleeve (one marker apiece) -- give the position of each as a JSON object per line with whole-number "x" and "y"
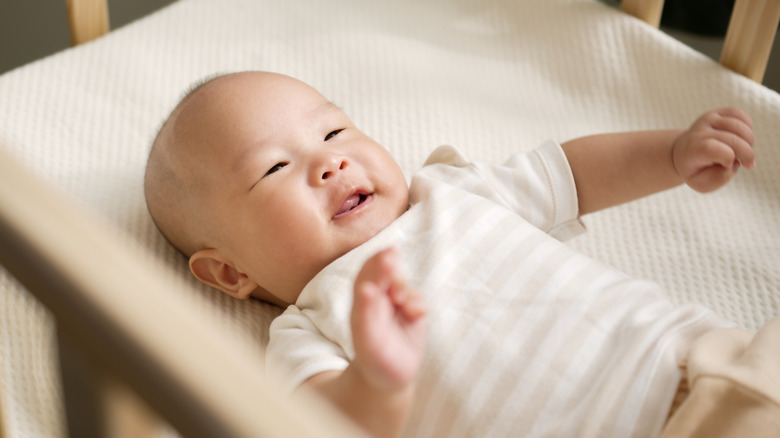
{"x": 298, "y": 350}
{"x": 537, "y": 184}
{"x": 550, "y": 201}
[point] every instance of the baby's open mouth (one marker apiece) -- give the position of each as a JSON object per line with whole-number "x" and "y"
{"x": 352, "y": 202}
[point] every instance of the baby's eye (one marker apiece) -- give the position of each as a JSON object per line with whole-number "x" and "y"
{"x": 332, "y": 134}
{"x": 275, "y": 168}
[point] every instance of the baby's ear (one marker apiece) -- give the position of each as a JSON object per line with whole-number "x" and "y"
{"x": 212, "y": 268}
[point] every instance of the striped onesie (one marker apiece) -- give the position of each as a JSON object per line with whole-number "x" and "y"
{"x": 526, "y": 337}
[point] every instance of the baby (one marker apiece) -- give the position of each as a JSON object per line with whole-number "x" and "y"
{"x": 271, "y": 192}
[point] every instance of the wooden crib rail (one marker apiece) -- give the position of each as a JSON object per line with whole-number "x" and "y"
{"x": 648, "y": 11}
{"x": 749, "y": 38}
{"x": 88, "y": 20}
{"x": 110, "y": 298}
{"x": 750, "y": 35}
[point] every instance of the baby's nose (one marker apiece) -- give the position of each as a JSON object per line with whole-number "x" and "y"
{"x": 341, "y": 165}
{"x": 328, "y": 167}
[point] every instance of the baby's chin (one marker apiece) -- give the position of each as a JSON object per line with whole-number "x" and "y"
{"x": 355, "y": 238}
{"x": 376, "y": 226}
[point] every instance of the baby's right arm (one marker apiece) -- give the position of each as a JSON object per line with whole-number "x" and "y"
{"x": 388, "y": 330}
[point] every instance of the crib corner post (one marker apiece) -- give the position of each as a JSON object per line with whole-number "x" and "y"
{"x": 750, "y": 36}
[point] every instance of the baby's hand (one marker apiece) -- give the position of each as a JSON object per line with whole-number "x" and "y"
{"x": 388, "y": 324}
{"x": 708, "y": 154}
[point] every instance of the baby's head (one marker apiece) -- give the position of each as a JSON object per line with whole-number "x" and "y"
{"x": 262, "y": 182}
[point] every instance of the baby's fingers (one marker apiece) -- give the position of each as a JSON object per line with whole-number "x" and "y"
{"x": 710, "y": 178}
{"x": 741, "y": 151}
{"x": 409, "y": 302}
{"x": 712, "y": 164}
{"x": 734, "y": 119}
{"x": 379, "y": 269}
{"x": 734, "y": 128}
{"x": 372, "y": 285}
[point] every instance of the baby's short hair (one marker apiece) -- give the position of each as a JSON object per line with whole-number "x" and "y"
{"x": 169, "y": 200}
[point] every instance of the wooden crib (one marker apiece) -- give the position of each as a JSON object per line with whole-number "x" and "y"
{"x": 124, "y": 363}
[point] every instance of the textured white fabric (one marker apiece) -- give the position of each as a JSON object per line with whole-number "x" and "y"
{"x": 490, "y": 76}
{"x": 525, "y": 336}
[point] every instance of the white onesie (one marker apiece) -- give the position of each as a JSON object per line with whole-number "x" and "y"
{"x": 526, "y": 337}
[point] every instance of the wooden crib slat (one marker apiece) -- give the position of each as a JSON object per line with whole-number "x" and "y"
{"x": 116, "y": 300}
{"x": 750, "y": 36}
{"x": 3, "y": 431}
{"x": 648, "y": 11}
{"x": 97, "y": 404}
{"x": 88, "y": 20}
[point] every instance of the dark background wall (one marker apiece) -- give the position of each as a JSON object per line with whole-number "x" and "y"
{"x": 32, "y": 29}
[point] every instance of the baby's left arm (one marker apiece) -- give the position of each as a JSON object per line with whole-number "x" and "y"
{"x": 610, "y": 169}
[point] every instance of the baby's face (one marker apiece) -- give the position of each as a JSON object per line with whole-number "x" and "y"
{"x": 298, "y": 184}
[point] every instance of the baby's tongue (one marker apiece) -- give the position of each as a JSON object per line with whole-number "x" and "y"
{"x": 348, "y": 204}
